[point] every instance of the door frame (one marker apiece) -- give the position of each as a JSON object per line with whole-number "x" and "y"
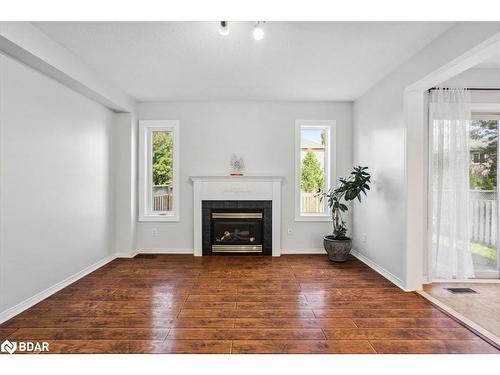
{"x": 416, "y": 139}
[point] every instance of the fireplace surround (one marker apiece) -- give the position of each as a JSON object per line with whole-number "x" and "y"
{"x": 237, "y": 227}
{"x": 240, "y": 188}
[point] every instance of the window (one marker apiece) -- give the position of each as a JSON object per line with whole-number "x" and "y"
{"x": 159, "y": 170}
{"x": 476, "y": 157}
{"x": 483, "y": 194}
{"x": 314, "y": 142}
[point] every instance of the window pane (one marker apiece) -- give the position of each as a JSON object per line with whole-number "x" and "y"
{"x": 312, "y": 169}
{"x": 483, "y": 196}
{"x": 163, "y": 167}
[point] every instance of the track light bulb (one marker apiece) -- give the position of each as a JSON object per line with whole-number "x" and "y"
{"x": 258, "y": 33}
{"x": 223, "y": 28}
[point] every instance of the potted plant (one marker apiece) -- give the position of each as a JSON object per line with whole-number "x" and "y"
{"x": 338, "y": 245}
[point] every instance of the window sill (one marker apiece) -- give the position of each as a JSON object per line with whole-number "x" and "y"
{"x": 159, "y": 218}
{"x": 313, "y": 218}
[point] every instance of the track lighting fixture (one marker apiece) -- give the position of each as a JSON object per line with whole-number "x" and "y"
{"x": 258, "y": 32}
{"x": 224, "y": 28}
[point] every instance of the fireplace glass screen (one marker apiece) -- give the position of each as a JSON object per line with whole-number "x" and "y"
{"x": 237, "y": 231}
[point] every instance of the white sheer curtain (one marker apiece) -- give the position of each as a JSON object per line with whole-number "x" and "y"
{"x": 449, "y": 116}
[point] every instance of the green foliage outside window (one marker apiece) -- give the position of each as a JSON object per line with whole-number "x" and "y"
{"x": 479, "y": 182}
{"x": 487, "y": 131}
{"x": 163, "y": 165}
{"x": 312, "y": 176}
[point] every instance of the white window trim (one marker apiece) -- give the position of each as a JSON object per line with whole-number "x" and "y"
{"x": 145, "y": 178}
{"x": 331, "y": 167}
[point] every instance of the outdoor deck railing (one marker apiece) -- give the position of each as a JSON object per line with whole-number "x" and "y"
{"x": 483, "y": 216}
{"x": 162, "y": 198}
{"x": 311, "y": 202}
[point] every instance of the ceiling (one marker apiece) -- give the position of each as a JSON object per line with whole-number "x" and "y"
{"x": 156, "y": 61}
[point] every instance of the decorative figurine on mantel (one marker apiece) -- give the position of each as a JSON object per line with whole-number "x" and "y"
{"x": 237, "y": 165}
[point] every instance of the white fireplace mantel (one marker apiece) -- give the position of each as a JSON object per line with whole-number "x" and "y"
{"x": 231, "y": 188}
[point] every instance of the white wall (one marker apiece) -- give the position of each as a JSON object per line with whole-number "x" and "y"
{"x": 55, "y": 182}
{"x": 125, "y": 194}
{"x": 478, "y": 77}
{"x": 263, "y": 134}
{"x": 475, "y": 77}
{"x": 380, "y": 142}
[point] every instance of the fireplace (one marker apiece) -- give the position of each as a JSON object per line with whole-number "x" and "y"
{"x": 237, "y": 227}
{"x": 237, "y": 194}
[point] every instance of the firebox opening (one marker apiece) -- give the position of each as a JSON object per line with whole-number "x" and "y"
{"x": 237, "y": 231}
{"x": 237, "y": 227}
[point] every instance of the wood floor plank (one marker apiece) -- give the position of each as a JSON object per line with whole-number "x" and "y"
{"x": 181, "y": 347}
{"x": 215, "y": 313}
{"x": 139, "y": 347}
{"x": 339, "y": 284}
{"x": 302, "y": 347}
{"x": 209, "y": 305}
{"x": 269, "y": 290}
{"x": 429, "y": 312}
{"x": 399, "y": 334}
{"x": 433, "y": 347}
{"x": 333, "y": 305}
{"x": 212, "y": 298}
{"x": 49, "y": 334}
{"x": 91, "y": 322}
{"x": 273, "y": 305}
{"x": 247, "y": 298}
{"x": 166, "y": 303}
{"x": 88, "y": 347}
{"x": 131, "y": 313}
{"x": 338, "y": 297}
{"x": 55, "y": 304}
{"x": 294, "y": 323}
{"x": 203, "y": 323}
{"x": 6, "y": 331}
{"x": 244, "y": 334}
{"x": 136, "y": 305}
{"x": 405, "y": 323}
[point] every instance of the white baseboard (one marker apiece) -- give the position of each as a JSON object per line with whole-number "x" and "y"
{"x": 190, "y": 251}
{"x": 27, "y": 303}
{"x": 165, "y": 251}
{"x": 381, "y": 270}
{"x": 126, "y": 255}
{"x": 318, "y": 250}
{"x": 468, "y": 281}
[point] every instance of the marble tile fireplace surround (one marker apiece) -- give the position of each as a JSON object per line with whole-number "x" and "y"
{"x": 258, "y": 195}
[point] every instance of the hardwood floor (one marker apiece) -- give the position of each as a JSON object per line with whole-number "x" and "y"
{"x": 224, "y": 304}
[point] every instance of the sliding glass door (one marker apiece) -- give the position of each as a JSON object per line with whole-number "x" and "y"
{"x": 483, "y": 195}
{"x": 463, "y": 196}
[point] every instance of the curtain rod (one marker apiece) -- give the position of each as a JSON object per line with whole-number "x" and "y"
{"x": 467, "y": 88}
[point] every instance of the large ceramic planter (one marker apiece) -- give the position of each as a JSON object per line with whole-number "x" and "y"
{"x": 338, "y": 250}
